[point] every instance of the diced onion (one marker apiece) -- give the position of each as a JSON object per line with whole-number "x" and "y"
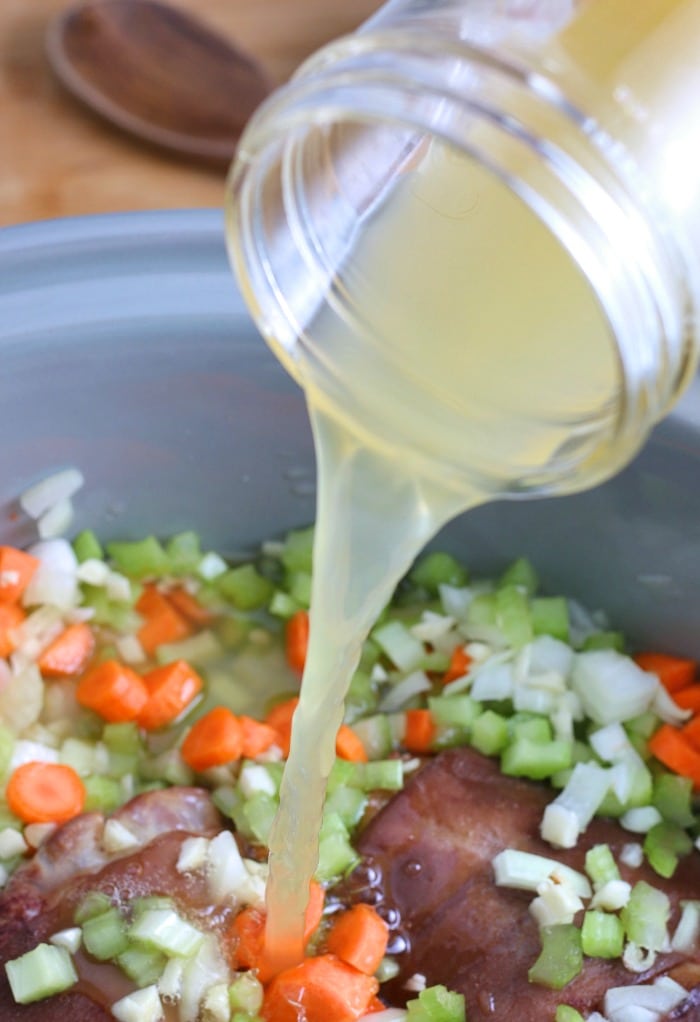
{"x": 632, "y": 855}
{"x": 432, "y": 626}
{"x": 70, "y": 939}
{"x": 50, "y": 492}
{"x": 661, "y": 996}
{"x": 24, "y": 751}
{"x": 493, "y": 680}
{"x": 193, "y": 854}
{"x": 611, "y": 686}
{"x": 389, "y": 1015}
{"x": 664, "y": 707}
{"x": 11, "y": 843}
{"x": 227, "y": 875}
{"x": 578, "y": 802}
{"x": 199, "y": 974}
{"x": 525, "y": 871}
{"x": 687, "y": 934}
{"x": 118, "y": 838}
{"x": 56, "y": 520}
{"x": 140, "y": 1006}
{"x": 612, "y": 896}
{"x": 398, "y": 695}
{"x": 640, "y": 820}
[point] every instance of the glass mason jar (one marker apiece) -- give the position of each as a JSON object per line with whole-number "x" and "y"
{"x": 471, "y": 231}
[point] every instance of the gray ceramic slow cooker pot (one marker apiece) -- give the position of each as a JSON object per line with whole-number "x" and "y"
{"x": 126, "y": 350}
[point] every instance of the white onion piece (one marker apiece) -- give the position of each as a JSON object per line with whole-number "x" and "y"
{"x": 50, "y": 492}
{"x": 611, "y": 686}
{"x": 493, "y": 680}
{"x": 390, "y": 1015}
{"x": 200, "y": 974}
{"x": 140, "y": 1006}
{"x": 661, "y": 996}
{"x": 550, "y": 654}
{"x": 687, "y": 933}
{"x": 432, "y": 626}
{"x": 664, "y": 707}
{"x": 56, "y": 520}
{"x": 21, "y": 701}
{"x": 227, "y": 874}
{"x": 397, "y": 696}
{"x": 576, "y": 805}
{"x": 24, "y": 751}
{"x": 640, "y": 820}
{"x": 55, "y": 553}
{"x": 455, "y": 601}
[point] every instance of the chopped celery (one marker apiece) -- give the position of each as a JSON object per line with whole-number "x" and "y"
{"x": 102, "y": 793}
{"x": 343, "y": 773}
{"x": 602, "y": 935}
{"x": 259, "y": 812}
{"x": 521, "y": 574}
{"x": 141, "y": 966}
{"x": 550, "y": 616}
{"x": 166, "y": 766}
{"x": 565, "y": 1013}
{"x": 87, "y": 546}
{"x": 226, "y": 799}
{"x": 246, "y": 993}
{"x": 534, "y": 728}
{"x": 380, "y": 775}
{"x": 42, "y": 972}
{"x": 349, "y": 803}
{"x": 244, "y": 587}
{"x": 645, "y": 917}
{"x": 369, "y": 656}
{"x": 298, "y": 550}
{"x": 151, "y": 901}
{"x": 402, "y": 648}
{"x": 640, "y": 795}
{"x": 139, "y": 559}
{"x": 458, "y": 711}
{"x": 489, "y": 733}
{"x": 663, "y": 845}
{"x": 105, "y": 935}
{"x": 122, "y": 738}
{"x": 604, "y": 640}
{"x": 482, "y": 611}
{"x": 361, "y": 697}
{"x": 164, "y": 930}
{"x": 120, "y": 616}
{"x": 375, "y": 734}
{"x": 561, "y": 957}
{"x": 513, "y": 615}
{"x": 299, "y": 586}
{"x": 673, "y": 798}
{"x": 388, "y": 969}
{"x": 93, "y": 904}
{"x": 184, "y": 553}
{"x": 436, "y": 1004}
{"x": 644, "y": 725}
{"x": 283, "y": 605}
{"x": 436, "y": 569}
{"x": 536, "y": 760}
{"x": 336, "y": 855}
{"x": 600, "y": 865}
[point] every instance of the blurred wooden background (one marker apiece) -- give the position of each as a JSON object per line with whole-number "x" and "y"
{"x": 57, "y": 159}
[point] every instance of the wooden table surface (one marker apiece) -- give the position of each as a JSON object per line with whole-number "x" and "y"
{"x": 57, "y": 159}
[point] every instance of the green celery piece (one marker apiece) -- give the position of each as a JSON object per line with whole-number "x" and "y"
{"x": 533, "y": 727}
{"x": 536, "y": 760}
{"x": 87, "y": 546}
{"x": 565, "y": 1013}
{"x": 521, "y": 574}
{"x": 380, "y": 775}
{"x": 199, "y": 649}
{"x": 246, "y": 993}
{"x": 299, "y": 586}
{"x": 361, "y": 698}
{"x": 489, "y": 733}
{"x": 600, "y": 865}
{"x": 120, "y": 616}
{"x": 94, "y": 903}
{"x": 640, "y": 795}
{"x": 298, "y": 550}
{"x": 663, "y": 845}
{"x": 402, "y": 648}
{"x": 513, "y": 615}
{"x": 151, "y": 901}
{"x": 103, "y": 794}
{"x": 105, "y": 935}
{"x": 644, "y": 725}
{"x": 245, "y": 587}
{"x": 343, "y": 773}
{"x": 141, "y": 966}
{"x": 550, "y": 616}
{"x": 42, "y": 972}
{"x": 673, "y": 798}
{"x": 602, "y": 935}
{"x": 259, "y": 812}
{"x": 604, "y": 640}
{"x": 123, "y": 738}
{"x": 370, "y": 654}
{"x": 561, "y": 957}
{"x": 645, "y": 916}
{"x": 482, "y": 610}
{"x": 458, "y": 711}
{"x": 184, "y": 553}
{"x": 436, "y": 1004}
{"x": 349, "y": 804}
{"x": 227, "y": 799}
{"x": 143, "y": 558}
{"x": 283, "y": 605}
{"x": 436, "y": 569}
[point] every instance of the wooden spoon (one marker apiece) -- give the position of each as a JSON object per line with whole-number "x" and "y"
{"x": 158, "y": 73}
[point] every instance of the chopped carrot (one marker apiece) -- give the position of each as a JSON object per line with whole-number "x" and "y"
{"x": 11, "y": 617}
{"x": 688, "y": 698}
{"x": 189, "y": 606}
{"x": 318, "y": 990}
{"x": 113, "y": 691}
{"x": 162, "y": 622}
{"x": 672, "y": 748}
{"x": 420, "y": 731}
{"x": 349, "y": 746}
{"x": 460, "y": 662}
{"x": 359, "y": 937}
{"x": 673, "y": 672}
{"x": 69, "y": 653}
{"x": 171, "y": 689}
{"x": 16, "y": 571}
{"x": 691, "y": 731}
{"x": 375, "y": 1005}
{"x": 40, "y": 792}
{"x": 280, "y": 719}
{"x": 215, "y": 739}
{"x": 296, "y": 640}
{"x": 257, "y": 737}
{"x": 246, "y": 933}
